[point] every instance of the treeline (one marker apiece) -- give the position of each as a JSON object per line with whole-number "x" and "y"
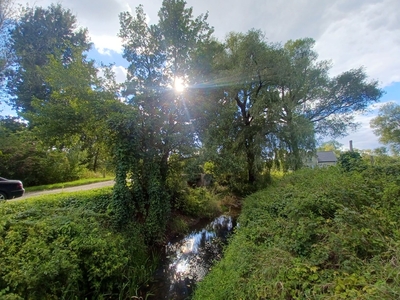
{"x": 247, "y": 106}
{"x": 62, "y": 103}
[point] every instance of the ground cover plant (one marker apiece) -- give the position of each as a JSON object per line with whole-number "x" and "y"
{"x": 316, "y": 234}
{"x": 64, "y": 247}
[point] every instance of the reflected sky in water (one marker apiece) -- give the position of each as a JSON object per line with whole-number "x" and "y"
{"x": 188, "y": 260}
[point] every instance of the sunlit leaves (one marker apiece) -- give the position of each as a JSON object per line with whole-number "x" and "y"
{"x": 387, "y": 125}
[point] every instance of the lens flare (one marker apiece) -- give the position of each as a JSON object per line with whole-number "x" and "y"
{"x": 179, "y": 85}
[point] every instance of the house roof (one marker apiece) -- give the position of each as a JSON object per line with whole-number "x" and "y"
{"x": 326, "y": 156}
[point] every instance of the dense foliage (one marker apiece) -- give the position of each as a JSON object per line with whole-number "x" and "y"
{"x": 56, "y": 89}
{"x": 25, "y": 158}
{"x": 386, "y": 125}
{"x": 249, "y": 107}
{"x": 63, "y": 247}
{"x": 154, "y": 124}
{"x": 270, "y": 102}
{"x": 249, "y": 104}
{"x": 7, "y": 14}
{"x": 317, "y": 234}
{"x": 39, "y": 34}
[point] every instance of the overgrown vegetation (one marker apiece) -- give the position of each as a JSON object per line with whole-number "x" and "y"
{"x": 252, "y": 108}
{"x": 316, "y": 234}
{"x": 64, "y": 247}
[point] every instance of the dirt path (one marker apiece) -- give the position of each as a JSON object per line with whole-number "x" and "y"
{"x": 69, "y": 189}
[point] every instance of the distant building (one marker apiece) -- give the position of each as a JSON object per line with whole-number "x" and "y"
{"x": 321, "y": 159}
{"x": 326, "y": 158}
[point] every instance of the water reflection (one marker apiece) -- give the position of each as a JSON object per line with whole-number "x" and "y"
{"x": 188, "y": 260}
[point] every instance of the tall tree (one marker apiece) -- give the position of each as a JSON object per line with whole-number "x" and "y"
{"x": 309, "y": 98}
{"x": 38, "y": 34}
{"x": 278, "y": 98}
{"x": 387, "y": 125}
{"x": 242, "y": 115}
{"x": 159, "y": 56}
{"x": 56, "y": 88}
{"x": 7, "y": 13}
{"x": 73, "y": 116}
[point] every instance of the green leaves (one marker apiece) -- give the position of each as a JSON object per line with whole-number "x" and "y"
{"x": 62, "y": 247}
{"x": 386, "y": 125}
{"x": 156, "y": 122}
{"x": 40, "y": 33}
{"x": 316, "y": 234}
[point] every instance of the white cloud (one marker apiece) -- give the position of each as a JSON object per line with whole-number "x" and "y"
{"x": 363, "y": 138}
{"x": 105, "y": 43}
{"x": 120, "y": 73}
{"x": 370, "y": 37}
{"x": 351, "y": 33}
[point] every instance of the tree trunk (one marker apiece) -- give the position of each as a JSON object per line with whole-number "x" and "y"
{"x": 252, "y": 176}
{"x": 250, "y": 155}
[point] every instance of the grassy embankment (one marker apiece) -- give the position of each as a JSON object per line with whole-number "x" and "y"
{"x": 319, "y": 234}
{"x": 63, "y": 247}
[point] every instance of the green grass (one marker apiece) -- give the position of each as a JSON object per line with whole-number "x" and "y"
{"x": 316, "y": 234}
{"x": 67, "y": 184}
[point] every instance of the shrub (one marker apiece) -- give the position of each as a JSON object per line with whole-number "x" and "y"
{"x": 200, "y": 202}
{"x": 316, "y": 234}
{"x": 62, "y": 247}
{"x": 351, "y": 161}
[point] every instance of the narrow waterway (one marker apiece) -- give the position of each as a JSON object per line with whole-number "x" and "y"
{"x": 187, "y": 260}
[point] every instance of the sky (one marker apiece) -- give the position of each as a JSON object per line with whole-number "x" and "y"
{"x": 349, "y": 33}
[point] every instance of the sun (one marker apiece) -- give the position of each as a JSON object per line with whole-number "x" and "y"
{"x": 179, "y": 85}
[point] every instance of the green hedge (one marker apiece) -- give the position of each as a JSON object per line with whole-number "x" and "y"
{"x": 316, "y": 234}
{"x": 63, "y": 247}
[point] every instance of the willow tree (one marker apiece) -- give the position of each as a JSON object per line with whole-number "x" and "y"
{"x": 159, "y": 59}
{"x": 274, "y": 100}
{"x": 312, "y": 102}
{"x": 240, "y": 105}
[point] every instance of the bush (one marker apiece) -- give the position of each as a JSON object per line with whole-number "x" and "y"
{"x": 351, "y": 161}
{"x": 62, "y": 247}
{"x": 316, "y": 234}
{"x": 200, "y": 202}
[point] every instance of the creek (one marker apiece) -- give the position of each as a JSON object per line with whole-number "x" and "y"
{"x": 185, "y": 261}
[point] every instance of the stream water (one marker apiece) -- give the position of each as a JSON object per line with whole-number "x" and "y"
{"x": 187, "y": 260}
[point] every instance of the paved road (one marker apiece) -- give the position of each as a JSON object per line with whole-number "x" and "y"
{"x": 69, "y": 189}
